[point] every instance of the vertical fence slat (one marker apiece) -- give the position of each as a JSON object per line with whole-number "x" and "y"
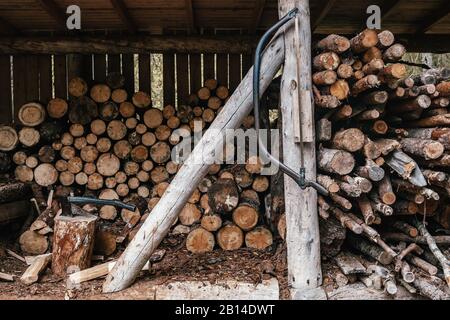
{"x": 222, "y": 69}
{"x": 195, "y": 71}
{"x": 128, "y": 72}
{"x": 169, "y": 78}
{"x": 20, "y": 89}
{"x": 235, "y": 71}
{"x": 182, "y": 77}
{"x": 99, "y": 68}
{"x": 45, "y": 78}
{"x": 113, "y": 63}
{"x": 60, "y": 78}
{"x": 144, "y": 73}
{"x": 32, "y": 78}
{"x": 5, "y": 89}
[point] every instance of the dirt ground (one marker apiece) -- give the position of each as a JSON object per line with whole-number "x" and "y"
{"x": 177, "y": 264}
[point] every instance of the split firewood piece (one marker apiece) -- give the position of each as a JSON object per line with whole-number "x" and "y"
{"x": 259, "y": 238}
{"x": 69, "y": 253}
{"x": 349, "y": 264}
{"x": 200, "y": 240}
{"x": 6, "y": 277}
{"x": 95, "y": 272}
{"x": 230, "y": 237}
{"x": 406, "y": 167}
{"x": 223, "y": 196}
{"x": 443, "y": 260}
{"x": 39, "y": 264}
{"x": 335, "y": 161}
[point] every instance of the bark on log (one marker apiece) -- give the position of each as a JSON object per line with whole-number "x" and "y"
{"x": 69, "y": 253}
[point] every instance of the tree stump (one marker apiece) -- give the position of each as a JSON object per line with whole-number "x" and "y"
{"x": 73, "y": 242}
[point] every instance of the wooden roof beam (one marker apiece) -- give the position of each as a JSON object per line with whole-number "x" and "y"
{"x": 323, "y": 13}
{"x": 190, "y": 16}
{"x": 54, "y": 11}
{"x": 434, "y": 19}
{"x": 257, "y": 13}
{"x": 388, "y": 8}
{"x": 124, "y": 15}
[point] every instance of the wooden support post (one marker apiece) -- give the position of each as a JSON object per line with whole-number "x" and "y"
{"x": 191, "y": 173}
{"x": 302, "y": 238}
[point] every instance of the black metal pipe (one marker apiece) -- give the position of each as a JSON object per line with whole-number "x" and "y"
{"x": 299, "y": 178}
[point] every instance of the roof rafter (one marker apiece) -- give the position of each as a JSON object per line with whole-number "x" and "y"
{"x": 436, "y": 17}
{"x": 190, "y": 16}
{"x": 257, "y": 13}
{"x": 323, "y": 13}
{"x": 54, "y": 11}
{"x": 388, "y": 8}
{"x": 122, "y": 12}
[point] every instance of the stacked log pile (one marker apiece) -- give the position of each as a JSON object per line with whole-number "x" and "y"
{"x": 105, "y": 143}
{"x": 383, "y": 154}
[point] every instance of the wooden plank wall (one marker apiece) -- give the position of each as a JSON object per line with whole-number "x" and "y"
{"x": 42, "y": 77}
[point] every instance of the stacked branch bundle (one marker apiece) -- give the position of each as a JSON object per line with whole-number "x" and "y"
{"x": 105, "y": 143}
{"x": 383, "y": 154}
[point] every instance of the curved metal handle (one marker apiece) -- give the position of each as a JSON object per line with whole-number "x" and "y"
{"x": 297, "y": 177}
{"x": 115, "y": 203}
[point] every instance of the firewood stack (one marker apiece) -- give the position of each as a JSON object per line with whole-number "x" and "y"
{"x": 107, "y": 144}
{"x": 383, "y": 154}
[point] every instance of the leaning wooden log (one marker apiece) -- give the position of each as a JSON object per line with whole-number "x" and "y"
{"x": 69, "y": 253}
{"x": 189, "y": 175}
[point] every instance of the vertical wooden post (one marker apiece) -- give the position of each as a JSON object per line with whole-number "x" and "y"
{"x": 303, "y": 243}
